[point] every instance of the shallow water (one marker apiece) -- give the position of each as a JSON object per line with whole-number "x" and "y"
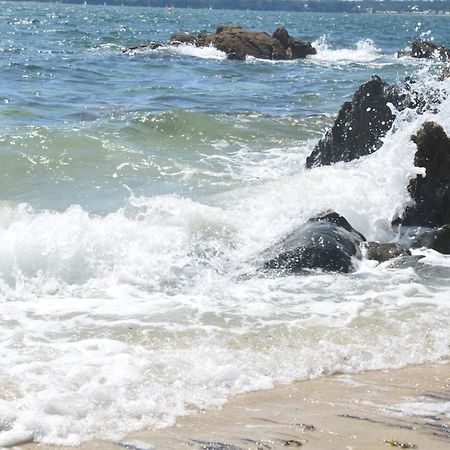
{"x": 137, "y": 190}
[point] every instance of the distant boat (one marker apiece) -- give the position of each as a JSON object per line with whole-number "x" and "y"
{"x": 170, "y": 9}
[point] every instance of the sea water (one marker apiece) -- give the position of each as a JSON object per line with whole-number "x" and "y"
{"x": 137, "y": 192}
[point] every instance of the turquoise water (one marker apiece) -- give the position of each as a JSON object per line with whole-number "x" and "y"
{"x": 74, "y": 107}
{"x": 136, "y": 190}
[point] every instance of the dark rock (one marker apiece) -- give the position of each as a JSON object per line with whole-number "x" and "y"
{"x": 360, "y": 125}
{"x": 431, "y": 193}
{"x": 228, "y": 28}
{"x": 182, "y": 38}
{"x": 295, "y": 49}
{"x": 238, "y": 43}
{"x": 142, "y": 47}
{"x": 385, "y": 252}
{"x": 437, "y": 238}
{"x": 326, "y": 242}
{"x": 426, "y": 49}
{"x": 445, "y": 73}
{"x": 337, "y": 219}
{"x": 282, "y": 35}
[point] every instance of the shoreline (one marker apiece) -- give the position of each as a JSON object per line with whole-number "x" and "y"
{"x": 341, "y": 411}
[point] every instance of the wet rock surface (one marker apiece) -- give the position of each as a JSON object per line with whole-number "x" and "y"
{"x": 385, "y": 252}
{"x": 406, "y": 262}
{"x": 357, "y": 132}
{"x": 437, "y": 239}
{"x": 426, "y": 49}
{"x": 238, "y": 43}
{"x": 360, "y": 125}
{"x": 430, "y": 192}
{"x": 445, "y": 73}
{"x": 327, "y": 242}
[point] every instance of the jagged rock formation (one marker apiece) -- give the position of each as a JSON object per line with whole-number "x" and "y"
{"x": 431, "y": 193}
{"x": 426, "y": 49}
{"x": 238, "y": 43}
{"x": 360, "y": 125}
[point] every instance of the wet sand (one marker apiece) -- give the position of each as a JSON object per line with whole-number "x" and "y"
{"x": 348, "y": 412}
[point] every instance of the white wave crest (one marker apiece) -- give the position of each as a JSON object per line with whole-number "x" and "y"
{"x": 209, "y": 52}
{"x": 118, "y": 322}
{"x": 364, "y": 52}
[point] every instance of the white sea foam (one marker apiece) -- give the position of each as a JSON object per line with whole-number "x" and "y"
{"x": 364, "y": 52}
{"x": 427, "y": 407}
{"x": 126, "y": 319}
{"x": 209, "y": 52}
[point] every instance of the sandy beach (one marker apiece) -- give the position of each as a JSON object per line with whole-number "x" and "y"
{"x": 403, "y": 408}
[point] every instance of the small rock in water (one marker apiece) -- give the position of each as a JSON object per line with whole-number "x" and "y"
{"x": 327, "y": 242}
{"x": 426, "y": 49}
{"x": 385, "y": 252}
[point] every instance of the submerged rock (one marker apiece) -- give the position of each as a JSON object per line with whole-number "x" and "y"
{"x": 437, "y": 239}
{"x": 238, "y": 43}
{"x": 326, "y": 242}
{"x": 142, "y": 47}
{"x": 385, "y": 252}
{"x": 426, "y": 49}
{"x": 406, "y": 262}
{"x": 445, "y": 73}
{"x": 430, "y": 192}
{"x": 360, "y": 125}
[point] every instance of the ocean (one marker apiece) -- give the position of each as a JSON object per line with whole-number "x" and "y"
{"x": 137, "y": 191}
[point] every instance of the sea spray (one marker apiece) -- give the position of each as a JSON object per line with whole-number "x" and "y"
{"x": 196, "y": 52}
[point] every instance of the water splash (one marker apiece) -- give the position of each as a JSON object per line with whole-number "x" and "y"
{"x": 364, "y": 52}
